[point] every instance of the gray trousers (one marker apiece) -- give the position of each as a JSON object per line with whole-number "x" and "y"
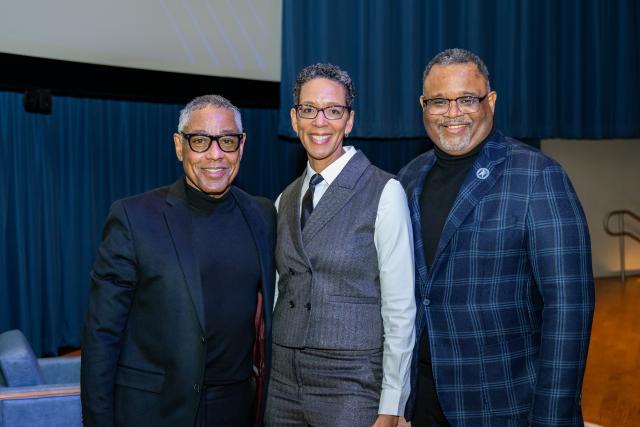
{"x": 309, "y": 387}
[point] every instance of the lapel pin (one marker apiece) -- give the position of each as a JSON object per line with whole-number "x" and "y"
{"x": 482, "y": 173}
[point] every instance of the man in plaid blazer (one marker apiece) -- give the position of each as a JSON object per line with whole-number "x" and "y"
{"x": 504, "y": 285}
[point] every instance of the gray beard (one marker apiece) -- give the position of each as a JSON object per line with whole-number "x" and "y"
{"x": 459, "y": 145}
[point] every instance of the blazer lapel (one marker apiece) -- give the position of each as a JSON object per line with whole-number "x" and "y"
{"x": 294, "y": 226}
{"x": 334, "y": 199}
{"x": 414, "y": 190}
{"x": 178, "y": 219}
{"x": 258, "y": 229}
{"x": 482, "y": 176}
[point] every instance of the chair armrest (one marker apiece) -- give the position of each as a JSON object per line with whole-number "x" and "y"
{"x": 41, "y": 406}
{"x": 39, "y": 391}
{"x": 60, "y": 370}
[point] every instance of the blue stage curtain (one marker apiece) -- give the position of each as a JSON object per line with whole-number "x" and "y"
{"x": 566, "y": 69}
{"x": 60, "y": 174}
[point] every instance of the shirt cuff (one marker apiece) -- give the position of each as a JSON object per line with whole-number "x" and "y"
{"x": 390, "y": 402}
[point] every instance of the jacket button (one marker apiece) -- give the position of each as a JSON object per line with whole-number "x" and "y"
{"x": 292, "y": 272}
{"x": 291, "y": 304}
{"x": 426, "y": 301}
{"x": 308, "y": 306}
{"x": 196, "y": 388}
{"x": 203, "y": 340}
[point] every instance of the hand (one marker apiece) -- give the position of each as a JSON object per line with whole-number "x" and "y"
{"x": 404, "y": 423}
{"x": 386, "y": 421}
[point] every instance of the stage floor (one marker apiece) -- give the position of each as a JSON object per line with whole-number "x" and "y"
{"x": 611, "y": 391}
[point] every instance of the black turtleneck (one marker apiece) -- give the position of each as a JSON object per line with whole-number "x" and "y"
{"x": 440, "y": 190}
{"x": 230, "y": 275}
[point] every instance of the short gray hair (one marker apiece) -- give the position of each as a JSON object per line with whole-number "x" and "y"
{"x": 457, "y": 56}
{"x": 204, "y": 101}
{"x": 324, "y": 71}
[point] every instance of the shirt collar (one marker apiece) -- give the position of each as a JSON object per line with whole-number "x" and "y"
{"x": 331, "y": 172}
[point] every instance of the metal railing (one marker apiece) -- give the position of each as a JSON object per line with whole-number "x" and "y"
{"x": 621, "y": 233}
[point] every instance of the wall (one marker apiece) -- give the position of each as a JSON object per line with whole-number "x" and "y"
{"x": 239, "y": 38}
{"x": 606, "y": 176}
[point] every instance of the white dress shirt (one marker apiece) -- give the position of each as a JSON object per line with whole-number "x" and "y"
{"x": 393, "y": 238}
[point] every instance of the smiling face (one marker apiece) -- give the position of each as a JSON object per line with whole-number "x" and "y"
{"x": 456, "y": 132}
{"x": 213, "y": 171}
{"x": 322, "y": 138}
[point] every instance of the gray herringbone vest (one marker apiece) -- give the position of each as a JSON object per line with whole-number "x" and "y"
{"x": 329, "y": 286}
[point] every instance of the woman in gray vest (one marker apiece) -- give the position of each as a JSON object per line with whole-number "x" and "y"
{"x": 343, "y": 323}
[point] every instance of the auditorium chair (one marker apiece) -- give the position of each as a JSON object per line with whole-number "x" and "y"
{"x": 37, "y": 392}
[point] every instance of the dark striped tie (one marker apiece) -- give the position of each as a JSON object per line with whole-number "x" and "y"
{"x": 307, "y": 200}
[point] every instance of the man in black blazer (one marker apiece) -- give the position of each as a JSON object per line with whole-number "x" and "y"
{"x": 179, "y": 316}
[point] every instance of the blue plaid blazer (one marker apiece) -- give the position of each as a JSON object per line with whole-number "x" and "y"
{"x": 509, "y": 299}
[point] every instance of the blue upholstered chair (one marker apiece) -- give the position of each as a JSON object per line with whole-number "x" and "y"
{"x": 37, "y": 392}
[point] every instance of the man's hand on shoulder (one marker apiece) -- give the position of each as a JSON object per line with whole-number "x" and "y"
{"x": 386, "y": 421}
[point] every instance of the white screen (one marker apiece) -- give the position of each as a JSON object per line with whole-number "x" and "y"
{"x": 228, "y": 38}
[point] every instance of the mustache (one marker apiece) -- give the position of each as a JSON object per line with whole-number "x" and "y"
{"x": 456, "y": 121}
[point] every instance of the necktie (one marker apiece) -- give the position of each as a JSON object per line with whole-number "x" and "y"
{"x": 307, "y": 200}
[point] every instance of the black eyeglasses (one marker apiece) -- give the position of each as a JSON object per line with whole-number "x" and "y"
{"x": 332, "y": 112}
{"x": 466, "y": 104}
{"x": 201, "y": 142}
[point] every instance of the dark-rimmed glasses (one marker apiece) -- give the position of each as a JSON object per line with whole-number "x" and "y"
{"x": 466, "y": 104}
{"x": 332, "y": 112}
{"x": 201, "y": 142}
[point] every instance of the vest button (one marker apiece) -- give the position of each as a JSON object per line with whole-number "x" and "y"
{"x": 308, "y": 306}
{"x": 291, "y": 304}
{"x": 196, "y": 388}
{"x": 292, "y": 272}
{"x": 203, "y": 339}
{"x": 426, "y": 301}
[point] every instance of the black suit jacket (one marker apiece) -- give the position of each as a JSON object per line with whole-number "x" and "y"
{"x": 144, "y": 346}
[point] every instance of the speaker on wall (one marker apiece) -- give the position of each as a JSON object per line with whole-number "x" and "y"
{"x": 37, "y": 101}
